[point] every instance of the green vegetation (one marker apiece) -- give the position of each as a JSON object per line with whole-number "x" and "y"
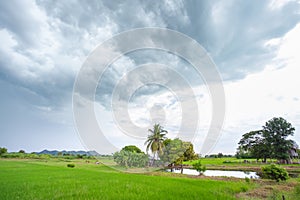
{"x": 132, "y": 148}
{"x": 43, "y": 176}
{"x": 167, "y": 151}
{"x": 37, "y": 179}
{"x": 155, "y": 140}
{"x": 270, "y": 142}
{"x": 71, "y": 165}
{"x": 128, "y": 158}
{"x": 275, "y": 172}
{"x": 176, "y": 151}
{"x": 199, "y": 167}
{"x": 3, "y": 151}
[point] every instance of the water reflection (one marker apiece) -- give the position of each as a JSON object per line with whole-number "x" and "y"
{"x": 236, "y": 174}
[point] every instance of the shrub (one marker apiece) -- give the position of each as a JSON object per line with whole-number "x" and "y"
{"x": 131, "y": 159}
{"x": 70, "y": 165}
{"x": 199, "y": 167}
{"x": 3, "y": 150}
{"x": 21, "y": 151}
{"x": 247, "y": 180}
{"x": 274, "y": 172}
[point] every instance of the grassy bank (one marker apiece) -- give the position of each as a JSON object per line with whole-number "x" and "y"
{"x": 232, "y": 163}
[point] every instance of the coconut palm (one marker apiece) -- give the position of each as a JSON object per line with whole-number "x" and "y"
{"x": 155, "y": 140}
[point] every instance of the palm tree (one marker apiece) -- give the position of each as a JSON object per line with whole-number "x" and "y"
{"x": 155, "y": 140}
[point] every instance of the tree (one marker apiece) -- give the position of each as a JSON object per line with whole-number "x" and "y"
{"x": 3, "y": 150}
{"x": 254, "y": 145}
{"x": 189, "y": 153}
{"x": 155, "y": 140}
{"x": 199, "y": 167}
{"x": 276, "y": 132}
{"x": 132, "y": 148}
{"x": 21, "y": 151}
{"x": 270, "y": 142}
{"x": 131, "y": 159}
{"x": 173, "y": 151}
{"x": 176, "y": 151}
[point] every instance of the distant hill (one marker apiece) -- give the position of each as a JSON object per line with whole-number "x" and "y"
{"x": 55, "y": 152}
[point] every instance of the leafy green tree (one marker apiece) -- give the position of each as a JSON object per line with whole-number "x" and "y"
{"x": 220, "y": 155}
{"x": 242, "y": 153}
{"x": 189, "y": 153}
{"x": 270, "y": 142}
{"x": 255, "y": 145}
{"x": 155, "y": 140}
{"x": 173, "y": 151}
{"x": 132, "y": 148}
{"x": 274, "y": 172}
{"x": 131, "y": 159}
{"x": 276, "y": 132}
{"x": 21, "y": 151}
{"x": 199, "y": 167}
{"x": 176, "y": 151}
{"x": 3, "y": 150}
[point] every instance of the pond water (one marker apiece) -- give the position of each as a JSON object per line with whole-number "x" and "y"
{"x": 236, "y": 174}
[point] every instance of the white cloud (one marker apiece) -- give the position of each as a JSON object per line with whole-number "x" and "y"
{"x": 274, "y": 92}
{"x": 44, "y": 43}
{"x": 277, "y": 4}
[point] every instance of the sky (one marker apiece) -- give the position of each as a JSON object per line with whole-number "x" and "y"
{"x": 254, "y": 45}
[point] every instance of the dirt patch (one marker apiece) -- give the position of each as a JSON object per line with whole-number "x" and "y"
{"x": 265, "y": 189}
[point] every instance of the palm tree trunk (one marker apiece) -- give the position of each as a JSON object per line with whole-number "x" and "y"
{"x": 153, "y": 159}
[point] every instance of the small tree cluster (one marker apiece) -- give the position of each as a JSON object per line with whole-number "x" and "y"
{"x": 274, "y": 172}
{"x": 176, "y": 151}
{"x": 128, "y": 158}
{"x": 270, "y": 142}
{"x": 3, "y": 151}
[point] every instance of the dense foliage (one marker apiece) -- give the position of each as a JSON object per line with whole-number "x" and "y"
{"x": 71, "y": 165}
{"x": 131, "y": 159}
{"x": 3, "y": 150}
{"x": 199, "y": 167}
{"x": 132, "y": 148}
{"x": 173, "y": 151}
{"x": 176, "y": 151}
{"x": 270, "y": 142}
{"x": 275, "y": 172}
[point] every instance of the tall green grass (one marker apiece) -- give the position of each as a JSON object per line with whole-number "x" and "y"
{"x": 26, "y": 179}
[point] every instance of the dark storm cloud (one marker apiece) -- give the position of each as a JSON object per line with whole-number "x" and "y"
{"x": 44, "y": 43}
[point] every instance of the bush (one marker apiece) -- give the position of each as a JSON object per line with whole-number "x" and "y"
{"x": 199, "y": 167}
{"x": 131, "y": 159}
{"x": 71, "y": 165}
{"x": 274, "y": 172}
{"x": 247, "y": 180}
{"x": 3, "y": 150}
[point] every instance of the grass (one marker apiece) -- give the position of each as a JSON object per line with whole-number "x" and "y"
{"x": 52, "y": 179}
{"x": 232, "y": 163}
{"x": 273, "y": 190}
{"x": 228, "y": 161}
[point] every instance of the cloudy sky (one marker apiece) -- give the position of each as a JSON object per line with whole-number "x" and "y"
{"x": 255, "y": 46}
